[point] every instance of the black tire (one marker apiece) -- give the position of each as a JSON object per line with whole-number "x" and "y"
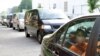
{"x": 13, "y": 28}
{"x": 40, "y": 37}
{"x": 10, "y": 25}
{"x": 18, "y": 28}
{"x": 26, "y": 33}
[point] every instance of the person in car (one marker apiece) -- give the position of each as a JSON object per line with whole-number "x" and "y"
{"x": 72, "y": 37}
{"x": 80, "y": 46}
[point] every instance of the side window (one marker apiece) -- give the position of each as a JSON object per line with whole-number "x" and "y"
{"x": 77, "y": 35}
{"x": 34, "y": 15}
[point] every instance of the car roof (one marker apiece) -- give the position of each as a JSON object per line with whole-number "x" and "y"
{"x": 87, "y": 15}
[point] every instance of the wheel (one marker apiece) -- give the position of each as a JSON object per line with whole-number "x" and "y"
{"x": 18, "y": 28}
{"x": 10, "y": 25}
{"x": 13, "y": 28}
{"x": 40, "y": 37}
{"x": 26, "y": 33}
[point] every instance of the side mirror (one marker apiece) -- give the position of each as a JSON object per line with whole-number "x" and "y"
{"x": 47, "y": 36}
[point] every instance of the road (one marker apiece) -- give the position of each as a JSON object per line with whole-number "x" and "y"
{"x": 14, "y": 43}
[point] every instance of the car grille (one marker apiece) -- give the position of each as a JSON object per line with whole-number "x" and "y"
{"x": 55, "y": 26}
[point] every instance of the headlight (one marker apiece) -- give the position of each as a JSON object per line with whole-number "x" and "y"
{"x": 46, "y": 27}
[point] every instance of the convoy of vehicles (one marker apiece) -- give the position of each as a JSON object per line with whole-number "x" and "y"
{"x": 59, "y": 35}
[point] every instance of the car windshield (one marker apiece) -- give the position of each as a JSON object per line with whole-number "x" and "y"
{"x": 21, "y": 16}
{"x": 52, "y": 14}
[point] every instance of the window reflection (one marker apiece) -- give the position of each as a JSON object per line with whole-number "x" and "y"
{"x": 77, "y": 37}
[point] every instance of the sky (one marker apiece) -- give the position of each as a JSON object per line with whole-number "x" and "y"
{"x": 5, "y": 4}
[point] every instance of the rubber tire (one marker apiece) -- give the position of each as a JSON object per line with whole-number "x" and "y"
{"x": 26, "y": 33}
{"x": 18, "y": 28}
{"x": 13, "y": 28}
{"x": 40, "y": 37}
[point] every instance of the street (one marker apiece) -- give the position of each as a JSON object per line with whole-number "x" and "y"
{"x": 14, "y": 43}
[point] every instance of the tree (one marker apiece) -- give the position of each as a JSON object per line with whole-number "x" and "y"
{"x": 92, "y": 5}
{"x": 15, "y": 9}
{"x": 25, "y": 4}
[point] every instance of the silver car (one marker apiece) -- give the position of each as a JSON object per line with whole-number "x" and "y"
{"x": 18, "y": 21}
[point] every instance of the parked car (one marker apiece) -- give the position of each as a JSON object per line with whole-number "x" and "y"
{"x": 39, "y": 22}
{"x": 78, "y": 37}
{"x": 9, "y": 20}
{"x": 4, "y": 20}
{"x": 18, "y": 21}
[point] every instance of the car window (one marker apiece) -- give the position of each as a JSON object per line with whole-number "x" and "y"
{"x": 77, "y": 35}
{"x": 21, "y": 16}
{"x": 34, "y": 15}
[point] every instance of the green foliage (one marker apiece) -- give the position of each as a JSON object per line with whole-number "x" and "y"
{"x": 92, "y": 5}
{"x": 25, "y": 4}
{"x": 15, "y": 9}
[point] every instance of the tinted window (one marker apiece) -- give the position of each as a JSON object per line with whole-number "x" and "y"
{"x": 21, "y": 16}
{"x": 76, "y": 36}
{"x": 9, "y": 17}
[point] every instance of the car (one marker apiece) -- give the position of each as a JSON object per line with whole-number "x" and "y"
{"x": 39, "y": 22}
{"x": 4, "y": 20}
{"x": 78, "y": 37}
{"x": 18, "y": 21}
{"x": 9, "y": 20}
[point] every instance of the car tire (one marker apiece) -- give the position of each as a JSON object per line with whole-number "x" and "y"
{"x": 18, "y": 28}
{"x": 26, "y": 33}
{"x": 40, "y": 37}
{"x": 13, "y": 28}
{"x": 10, "y": 25}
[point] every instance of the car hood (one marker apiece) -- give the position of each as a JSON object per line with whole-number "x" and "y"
{"x": 61, "y": 21}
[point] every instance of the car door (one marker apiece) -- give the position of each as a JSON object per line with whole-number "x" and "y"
{"x": 28, "y": 21}
{"x": 64, "y": 44}
{"x": 34, "y": 23}
{"x": 93, "y": 48}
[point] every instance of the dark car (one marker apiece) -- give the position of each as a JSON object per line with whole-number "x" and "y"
{"x": 9, "y": 20}
{"x": 78, "y": 37}
{"x": 39, "y": 22}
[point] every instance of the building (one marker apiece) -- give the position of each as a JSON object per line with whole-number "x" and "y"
{"x": 72, "y": 8}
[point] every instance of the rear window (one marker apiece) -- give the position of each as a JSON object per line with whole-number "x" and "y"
{"x": 21, "y": 16}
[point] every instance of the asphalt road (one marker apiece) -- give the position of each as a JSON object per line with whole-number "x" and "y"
{"x": 14, "y": 43}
